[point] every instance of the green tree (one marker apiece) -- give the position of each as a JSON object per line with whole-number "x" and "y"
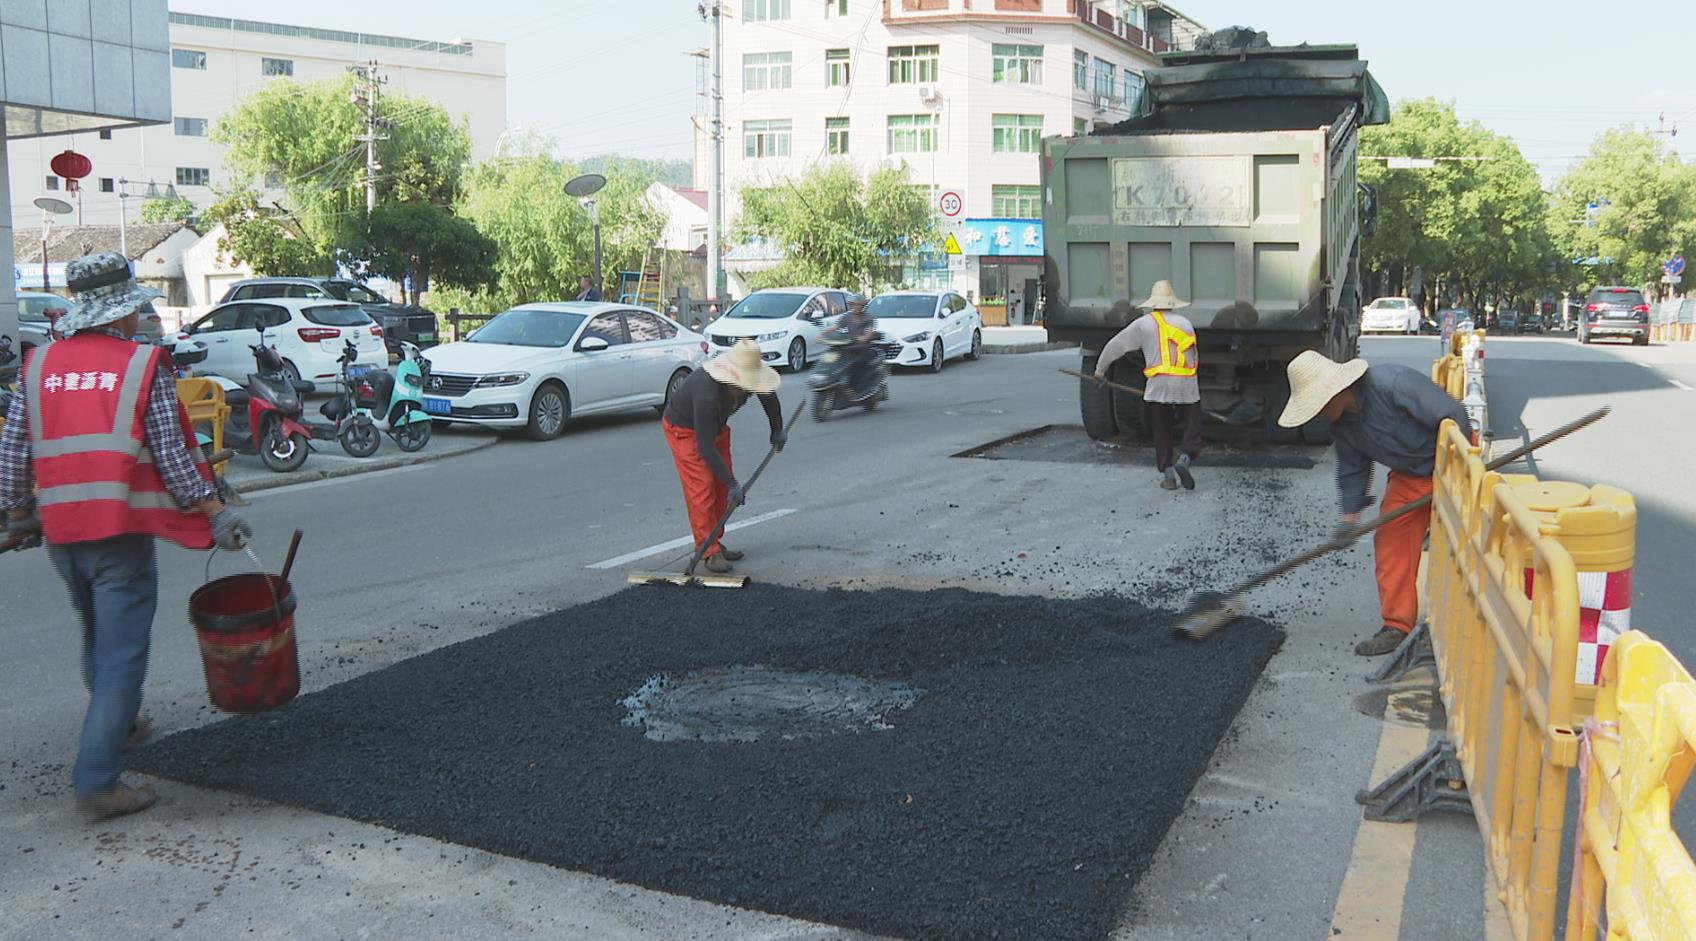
{"x": 1644, "y": 202}
{"x": 267, "y": 238}
{"x": 838, "y": 229}
{"x": 431, "y": 244}
{"x": 176, "y": 209}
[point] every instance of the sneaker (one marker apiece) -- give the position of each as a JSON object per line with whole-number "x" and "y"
{"x": 1385, "y": 641}
{"x": 718, "y": 564}
{"x": 731, "y": 554}
{"x": 1183, "y": 469}
{"x": 1169, "y": 481}
{"x": 118, "y": 800}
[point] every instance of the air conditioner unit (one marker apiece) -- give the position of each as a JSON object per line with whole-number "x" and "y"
{"x": 1102, "y": 103}
{"x": 929, "y": 93}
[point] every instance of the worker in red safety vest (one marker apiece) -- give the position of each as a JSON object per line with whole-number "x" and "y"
{"x": 99, "y": 458}
{"x": 1170, "y": 358}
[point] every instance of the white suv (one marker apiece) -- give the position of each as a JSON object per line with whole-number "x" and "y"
{"x": 786, "y": 322}
{"x": 308, "y": 333}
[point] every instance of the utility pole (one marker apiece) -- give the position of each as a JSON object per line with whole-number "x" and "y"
{"x": 712, "y": 12}
{"x": 365, "y": 90}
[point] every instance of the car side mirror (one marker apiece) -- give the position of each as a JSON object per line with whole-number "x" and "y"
{"x": 592, "y": 345}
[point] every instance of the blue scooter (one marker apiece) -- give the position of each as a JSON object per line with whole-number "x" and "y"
{"x": 374, "y": 400}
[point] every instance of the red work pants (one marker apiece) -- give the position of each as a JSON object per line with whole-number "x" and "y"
{"x": 705, "y": 496}
{"x": 1396, "y": 548}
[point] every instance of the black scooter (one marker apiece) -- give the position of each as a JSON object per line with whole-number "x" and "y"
{"x": 266, "y": 414}
{"x": 830, "y": 381}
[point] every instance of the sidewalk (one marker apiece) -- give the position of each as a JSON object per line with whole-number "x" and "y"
{"x": 1023, "y": 339}
{"x": 247, "y": 474}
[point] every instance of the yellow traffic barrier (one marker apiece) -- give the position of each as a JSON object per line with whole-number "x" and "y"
{"x": 204, "y": 401}
{"x": 1638, "y": 752}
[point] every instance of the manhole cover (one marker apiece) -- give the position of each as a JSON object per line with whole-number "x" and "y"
{"x": 746, "y": 704}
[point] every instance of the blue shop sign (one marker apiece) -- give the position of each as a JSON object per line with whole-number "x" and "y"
{"x": 1001, "y": 237}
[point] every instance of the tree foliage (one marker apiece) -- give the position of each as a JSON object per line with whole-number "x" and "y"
{"x": 838, "y": 229}
{"x": 176, "y": 209}
{"x": 1645, "y": 208}
{"x": 267, "y": 238}
{"x": 429, "y": 243}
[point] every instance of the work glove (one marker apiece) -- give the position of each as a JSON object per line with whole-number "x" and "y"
{"x": 229, "y": 531}
{"x": 28, "y": 527}
{"x": 779, "y": 438}
{"x": 1346, "y": 525}
{"x": 738, "y": 496}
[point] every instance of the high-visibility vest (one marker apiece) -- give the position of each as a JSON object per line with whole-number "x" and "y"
{"x": 87, "y": 398}
{"x": 1174, "y": 343}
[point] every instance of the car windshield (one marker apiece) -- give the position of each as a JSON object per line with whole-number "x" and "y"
{"x": 34, "y": 309}
{"x": 912, "y": 306}
{"x": 343, "y": 291}
{"x": 336, "y": 315}
{"x": 552, "y": 329}
{"x": 1626, "y": 296}
{"x": 767, "y": 306}
{"x": 1389, "y": 303}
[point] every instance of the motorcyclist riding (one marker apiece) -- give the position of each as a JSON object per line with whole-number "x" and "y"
{"x": 860, "y": 331}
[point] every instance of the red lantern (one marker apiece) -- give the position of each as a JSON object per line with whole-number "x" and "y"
{"x": 72, "y": 166}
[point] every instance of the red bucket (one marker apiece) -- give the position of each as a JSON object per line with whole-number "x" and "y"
{"x": 246, "y": 628}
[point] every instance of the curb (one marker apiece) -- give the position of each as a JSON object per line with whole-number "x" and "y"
{"x": 1026, "y": 348}
{"x": 366, "y": 467}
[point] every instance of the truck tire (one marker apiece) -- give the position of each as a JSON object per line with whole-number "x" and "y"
{"x": 1277, "y": 396}
{"x": 1095, "y": 403}
{"x": 1128, "y": 409}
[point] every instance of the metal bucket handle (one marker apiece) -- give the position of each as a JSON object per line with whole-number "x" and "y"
{"x": 270, "y": 580}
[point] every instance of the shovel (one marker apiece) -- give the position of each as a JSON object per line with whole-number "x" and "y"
{"x": 1238, "y": 415}
{"x": 1210, "y": 611}
{"x": 716, "y": 581}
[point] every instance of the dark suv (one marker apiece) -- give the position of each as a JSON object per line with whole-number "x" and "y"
{"x": 413, "y": 324}
{"x": 1615, "y": 312}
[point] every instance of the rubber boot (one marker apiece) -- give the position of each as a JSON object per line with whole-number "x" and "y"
{"x": 1385, "y": 641}
{"x": 730, "y": 553}
{"x": 718, "y": 564}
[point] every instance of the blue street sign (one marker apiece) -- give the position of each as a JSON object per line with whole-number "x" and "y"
{"x": 1674, "y": 265}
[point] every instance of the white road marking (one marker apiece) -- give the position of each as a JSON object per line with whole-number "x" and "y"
{"x": 311, "y": 484}
{"x": 1681, "y": 385}
{"x": 686, "y": 541}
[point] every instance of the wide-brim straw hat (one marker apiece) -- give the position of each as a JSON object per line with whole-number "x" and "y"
{"x": 1315, "y": 379}
{"x": 104, "y": 291}
{"x": 741, "y": 367}
{"x": 1163, "y": 298}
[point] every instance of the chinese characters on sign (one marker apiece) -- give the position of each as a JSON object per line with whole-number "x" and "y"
{"x": 80, "y": 382}
{"x": 1001, "y": 237}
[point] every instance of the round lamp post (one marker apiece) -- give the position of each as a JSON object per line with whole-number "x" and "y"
{"x": 50, "y": 206}
{"x": 583, "y": 188}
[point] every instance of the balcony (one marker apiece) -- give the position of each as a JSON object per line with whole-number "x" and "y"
{"x": 1122, "y": 30}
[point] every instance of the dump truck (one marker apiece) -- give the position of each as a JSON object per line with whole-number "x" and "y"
{"x": 1235, "y": 180}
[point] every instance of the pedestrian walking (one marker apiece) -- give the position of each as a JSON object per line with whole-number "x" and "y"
{"x": 1015, "y": 307}
{"x": 1167, "y": 341}
{"x": 587, "y": 290}
{"x": 697, "y": 428}
{"x": 1379, "y": 414}
{"x": 96, "y": 426}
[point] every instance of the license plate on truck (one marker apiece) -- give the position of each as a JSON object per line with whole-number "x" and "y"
{"x": 438, "y": 406}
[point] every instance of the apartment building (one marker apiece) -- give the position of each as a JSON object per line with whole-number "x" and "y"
{"x": 960, "y": 92}
{"x": 215, "y": 62}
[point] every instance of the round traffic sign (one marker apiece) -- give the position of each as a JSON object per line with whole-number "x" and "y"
{"x": 951, "y": 204}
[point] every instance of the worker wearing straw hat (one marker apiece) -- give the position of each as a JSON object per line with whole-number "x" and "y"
{"x": 1379, "y": 414}
{"x": 697, "y": 428}
{"x": 1170, "y": 358}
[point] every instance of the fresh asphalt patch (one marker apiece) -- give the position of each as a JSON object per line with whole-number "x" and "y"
{"x": 942, "y": 764}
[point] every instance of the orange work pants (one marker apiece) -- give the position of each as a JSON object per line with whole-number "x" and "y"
{"x": 1396, "y": 547}
{"x": 705, "y": 496}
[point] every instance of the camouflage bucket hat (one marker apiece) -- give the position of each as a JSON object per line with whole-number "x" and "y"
{"x": 104, "y": 290}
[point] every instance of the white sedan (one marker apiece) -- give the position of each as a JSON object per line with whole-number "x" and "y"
{"x": 308, "y": 333}
{"x": 535, "y": 366}
{"x": 929, "y": 326}
{"x": 785, "y": 322}
{"x": 1390, "y": 315}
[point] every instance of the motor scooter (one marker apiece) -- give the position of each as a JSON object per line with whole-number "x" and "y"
{"x": 831, "y": 380}
{"x": 373, "y": 400}
{"x": 266, "y": 413}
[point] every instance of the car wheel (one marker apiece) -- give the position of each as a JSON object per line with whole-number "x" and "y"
{"x": 977, "y": 346}
{"x": 936, "y": 355}
{"x": 797, "y": 355}
{"x": 1640, "y": 341}
{"x": 671, "y": 387}
{"x": 549, "y": 409}
{"x": 291, "y": 372}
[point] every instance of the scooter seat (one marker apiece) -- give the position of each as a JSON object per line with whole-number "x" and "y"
{"x": 235, "y": 397}
{"x": 304, "y": 386}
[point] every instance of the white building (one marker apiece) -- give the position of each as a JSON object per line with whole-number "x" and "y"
{"x": 685, "y": 212}
{"x": 961, "y": 92}
{"x": 215, "y": 61}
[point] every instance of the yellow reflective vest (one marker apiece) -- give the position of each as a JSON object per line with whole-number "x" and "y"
{"x": 1174, "y": 343}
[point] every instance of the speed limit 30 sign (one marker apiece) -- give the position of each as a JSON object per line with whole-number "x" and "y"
{"x": 950, "y": 203}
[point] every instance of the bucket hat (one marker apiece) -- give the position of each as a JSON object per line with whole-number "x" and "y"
{"x": 741, "y": 367}
{"x": 1315, "y": 379}
{"x": 104, "y": 289}
{"x": 1163, "y": 298}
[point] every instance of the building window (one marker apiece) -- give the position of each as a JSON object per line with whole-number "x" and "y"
{"x": 1106, "y": 79}
{"x": 108, "y": 185}
{"x": 912, "y": 134}
{"x": 1016, "y": 133}
{"x": 283, "y": 67}
{"x": 1080, "y": 127}
{"x": 1080, "y": 70}
{"x": 1018, "y": 64}
{"x": 1015, "y": 202}
{"x": 52, "y": 183}
{"x": 836, "y": 67}
{"x": 912, "y": 64}
{"x": 188, "y": 59}
{"x": 835, "y": 8}
{"x": 1133, "y": 91}
{"x": 106, "y": 133}
{"x": 194, "y": 176}
{"x": 836, "y": 136}
{"x": 765, "y": 139}
{"x": 191, "y": 127}
{"x": 763, "y": 70}
{"x": 765, "y": 10}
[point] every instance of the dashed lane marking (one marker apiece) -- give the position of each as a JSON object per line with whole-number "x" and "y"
{"x": 1683, "y": 386}
{"x": 685, "y": 541}
{"x": 1369, "y": 904}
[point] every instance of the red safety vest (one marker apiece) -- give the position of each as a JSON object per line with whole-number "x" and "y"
{"x": 96, "y": 478}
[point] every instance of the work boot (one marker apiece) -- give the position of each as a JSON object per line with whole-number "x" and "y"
{"x": 731, "y": 554}
{"x": 1169, "y": 480}
{"x": 1385, "y": 641}
{"x": 116, "y": 801}
{"x": 1183, "y": 469}
{"x": 718, "y": 564}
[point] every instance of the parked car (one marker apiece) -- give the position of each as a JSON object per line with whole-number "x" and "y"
{"x": 309, "y": 334}
{"x": 414, "y": 325}
{"x": 35, "y": 324}
{"x": 1615, "y": 312}
{"x": 1509, "y": 321}
{"x": 786, "y": 322}
{"x": 929, "y": 327}
{"x": 536, "y": 366}
{"x": 1390, "y": 315}
{"x": 1531, "y": 323}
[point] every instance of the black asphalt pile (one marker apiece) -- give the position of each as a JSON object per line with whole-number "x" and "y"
{"x": 998, "y": 767}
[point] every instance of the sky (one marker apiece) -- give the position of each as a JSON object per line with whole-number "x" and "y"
{"x": 616, "y": 77}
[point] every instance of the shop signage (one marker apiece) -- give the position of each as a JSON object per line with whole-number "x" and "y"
{"x": 1001, "y": 237}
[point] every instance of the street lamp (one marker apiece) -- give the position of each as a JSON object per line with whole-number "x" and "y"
{"x": 153, "y": 192}
{"x": 50, "y": 206}
{"x": 583, "y": 189}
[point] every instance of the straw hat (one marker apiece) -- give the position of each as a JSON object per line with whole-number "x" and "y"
{"x": 1314, "y": 380}
{"x": 1163, "y": 298}
{"x": 105, "y": 291}
{"x": 742, "y": 368}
